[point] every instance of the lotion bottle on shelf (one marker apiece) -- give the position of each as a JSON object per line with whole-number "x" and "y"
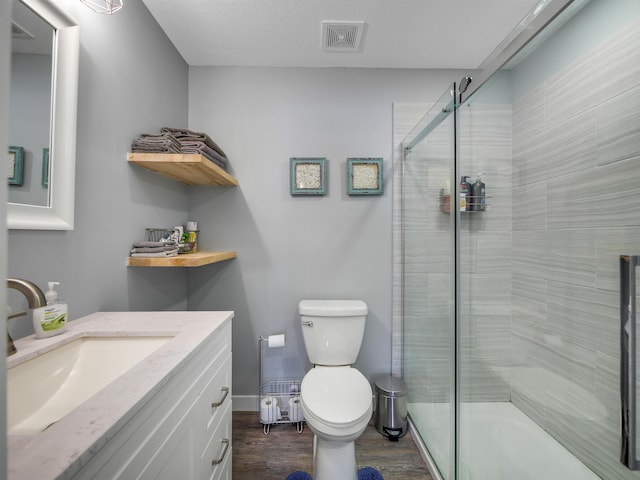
{"x": 51, "y": 319}
{"x": 465, "y": 194}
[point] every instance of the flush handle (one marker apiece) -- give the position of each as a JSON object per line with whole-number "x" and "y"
{"x": 628, "y": 264}
{"x": 308, "y": 323}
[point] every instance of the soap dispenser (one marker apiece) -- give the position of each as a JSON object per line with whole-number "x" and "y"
{"x": 51, "y": 319}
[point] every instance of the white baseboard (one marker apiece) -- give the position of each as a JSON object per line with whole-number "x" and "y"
{"x": 245, "y": 403}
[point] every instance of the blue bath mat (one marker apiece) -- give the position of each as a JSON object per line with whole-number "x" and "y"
{"x": 369, "y": 473}
{"x": 299, "y": 476}
{"x": 366, "y": 473}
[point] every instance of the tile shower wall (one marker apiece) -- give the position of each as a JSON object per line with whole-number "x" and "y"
{"x": 576, "y": 184}
{"x": 485, "y": 252}
{"x": 405, "y": 117}
{"x": 428, "y": 253}
{"x": 485, "y": 260}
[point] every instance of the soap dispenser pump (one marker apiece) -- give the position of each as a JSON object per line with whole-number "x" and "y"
{"x": 51, "y": 296}
{"x": 51, "y": 319}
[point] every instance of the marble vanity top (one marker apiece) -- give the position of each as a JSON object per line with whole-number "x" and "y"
{"x": 62, "y": 449}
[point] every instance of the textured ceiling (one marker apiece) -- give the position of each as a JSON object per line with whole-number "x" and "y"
{"x": 287, "y": 33}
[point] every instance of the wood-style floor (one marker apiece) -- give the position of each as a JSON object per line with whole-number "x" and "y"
{"x": 257, "y": 456}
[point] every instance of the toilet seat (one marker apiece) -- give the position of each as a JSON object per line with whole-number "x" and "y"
{"x": 338, "y": 397}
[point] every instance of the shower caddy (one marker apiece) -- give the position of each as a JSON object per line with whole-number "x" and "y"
{"x": 285, "y": 391}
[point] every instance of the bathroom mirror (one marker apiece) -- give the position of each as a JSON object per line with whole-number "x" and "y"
{"x": 56, "y": 211}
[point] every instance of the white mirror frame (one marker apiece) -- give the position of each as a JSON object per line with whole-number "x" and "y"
{"x": 59, "y": 214}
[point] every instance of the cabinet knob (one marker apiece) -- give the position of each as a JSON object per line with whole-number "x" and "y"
{"x": 225, "y": 392}
{"x": 225, "y": 442}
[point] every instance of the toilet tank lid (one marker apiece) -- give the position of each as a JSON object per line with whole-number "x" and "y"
{"x": 332, "y": 308}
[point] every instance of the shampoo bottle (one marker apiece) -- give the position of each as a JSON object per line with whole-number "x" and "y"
{"x": 478, "y": 195}
{"x": 465, "y": 194}
{"x": 51, "y": 319}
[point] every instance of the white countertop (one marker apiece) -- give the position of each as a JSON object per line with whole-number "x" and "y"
{"x": 60, "y": 451}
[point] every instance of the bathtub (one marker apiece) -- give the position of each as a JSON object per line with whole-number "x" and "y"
{"x": 499, "y": 442}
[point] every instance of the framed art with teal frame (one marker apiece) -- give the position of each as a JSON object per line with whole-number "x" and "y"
{"x": 364, "y": 176}
{"x": 45, "y": 167}
{"x": 308, "y": 176}
{"x": 16, "y": 165}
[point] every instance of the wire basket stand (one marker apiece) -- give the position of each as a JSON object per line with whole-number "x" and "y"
{"x": 279, "y": 400}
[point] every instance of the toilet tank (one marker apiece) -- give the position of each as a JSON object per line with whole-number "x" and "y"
{"x": 332, "y": 330}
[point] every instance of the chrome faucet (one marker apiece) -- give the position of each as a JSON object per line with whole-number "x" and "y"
{"x": 35, "y": 299}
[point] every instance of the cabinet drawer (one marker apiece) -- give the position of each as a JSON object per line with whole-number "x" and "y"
{"x": 217, "y": 453}
{"x": 216, "y": 396}
{"x": 225, "y": 469}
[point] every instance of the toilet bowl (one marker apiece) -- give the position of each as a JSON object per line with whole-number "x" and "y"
{"x": 336, "y": 398}
{"x": 336, "y": 401}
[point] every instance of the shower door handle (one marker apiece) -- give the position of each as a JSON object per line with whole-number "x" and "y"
{"x": 628, "y": 265}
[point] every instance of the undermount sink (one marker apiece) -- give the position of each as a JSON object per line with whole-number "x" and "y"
{"x": 42, "y": 390}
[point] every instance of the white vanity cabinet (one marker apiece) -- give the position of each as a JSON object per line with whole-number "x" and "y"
{"x": 184, "y": 430}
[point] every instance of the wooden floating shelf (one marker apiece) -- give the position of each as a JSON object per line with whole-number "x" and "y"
{"x": 188, "y": 168}
{"x": 197, "y": 259}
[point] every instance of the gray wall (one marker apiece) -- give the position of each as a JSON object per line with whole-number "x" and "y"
{"x": 5, "y": 56}
{"x": 291, "y": 248}
{"x": 132, "y": 80}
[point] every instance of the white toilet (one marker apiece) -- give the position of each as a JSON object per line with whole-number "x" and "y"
{"x": 336, "y": 399}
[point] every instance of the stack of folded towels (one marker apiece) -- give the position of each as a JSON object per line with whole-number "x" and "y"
{"x": 180, "y": 140}
{"x": 162, "y": 143}
{"x": 154, "y": 249}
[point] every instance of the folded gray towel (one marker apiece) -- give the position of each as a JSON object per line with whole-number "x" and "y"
{"x": 156, "y": 255}
{"x": 184, "y": 134}
{"x": 152, "y": 249}
{"x": 164, "y": 143}
{"x": 147, "y": 244}
{"x": 190, "y": 146}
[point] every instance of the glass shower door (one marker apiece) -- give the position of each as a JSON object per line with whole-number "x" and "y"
{"x": 428, "y": 216}
{"x": 485, "y": 284}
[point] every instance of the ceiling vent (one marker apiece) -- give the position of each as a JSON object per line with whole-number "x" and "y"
{"x": 342, "y": 36}
{"x": 17, "y": 31}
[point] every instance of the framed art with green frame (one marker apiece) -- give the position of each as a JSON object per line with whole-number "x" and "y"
{"x": 364, "y": 176}
{"x": 308, "y": 176}
{"x": 16, "y": 165}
